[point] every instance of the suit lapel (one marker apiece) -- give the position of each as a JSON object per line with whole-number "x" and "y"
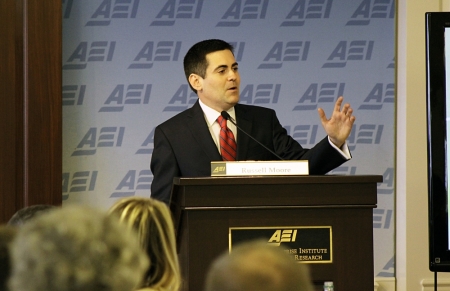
{"x": 244, "y": 121}
{"x": 201, "y": 133}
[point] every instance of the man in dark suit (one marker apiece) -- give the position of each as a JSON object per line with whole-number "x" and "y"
{"x": 185, "y": 145}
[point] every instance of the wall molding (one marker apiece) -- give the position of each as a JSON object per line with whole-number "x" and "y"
{"x": 384, "y": 284}
{"x": 442, "y": 284}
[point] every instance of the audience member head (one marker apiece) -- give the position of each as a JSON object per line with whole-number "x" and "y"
{"x": 255, "y": 265}
{"x": 76, "y": 248}
{"x": 153, "y": 222}
{"x": 27, "y": 213}
{"x": 195, "y": 59}
{"x": 7, "y": 234}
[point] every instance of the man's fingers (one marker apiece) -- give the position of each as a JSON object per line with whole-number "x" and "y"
{"x": 322, "y": 115}
{"x": 349, "y": 111}
{"x": 337, "y": 105}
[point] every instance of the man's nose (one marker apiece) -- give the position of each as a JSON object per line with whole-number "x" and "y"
{"x": 232, "y": 75}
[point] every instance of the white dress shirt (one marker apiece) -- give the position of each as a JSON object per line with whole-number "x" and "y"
{"x": 211, "y": 116}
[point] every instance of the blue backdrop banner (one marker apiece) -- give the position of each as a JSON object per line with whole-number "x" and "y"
{"x": 123, "y": 75}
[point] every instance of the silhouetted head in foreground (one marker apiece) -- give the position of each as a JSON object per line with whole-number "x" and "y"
{"x": 76, "y": 248}
{"x": 257, "y": 266}
{"x": 29, "y": 212}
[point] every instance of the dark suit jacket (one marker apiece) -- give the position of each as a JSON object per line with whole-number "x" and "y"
{"x": 183, "y": 146}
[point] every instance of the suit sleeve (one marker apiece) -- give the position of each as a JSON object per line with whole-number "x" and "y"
{"x": 163, "y": 166}
{"x": 322, "y": 157}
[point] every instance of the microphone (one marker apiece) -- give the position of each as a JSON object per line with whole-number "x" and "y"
{"x": 228, "y": 117}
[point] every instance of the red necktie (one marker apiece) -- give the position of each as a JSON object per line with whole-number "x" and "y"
{"x": 227, "y": 142}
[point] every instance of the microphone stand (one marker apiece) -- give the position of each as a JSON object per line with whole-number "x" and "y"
{"x": 228, "y": 117}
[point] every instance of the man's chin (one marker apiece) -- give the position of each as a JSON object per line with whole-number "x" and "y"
{"x": 230, "y": 104}
{"x": 233, "y": 103}
{"x": 233, "y": 98}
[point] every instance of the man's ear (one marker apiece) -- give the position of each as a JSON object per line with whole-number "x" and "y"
{"x": 196, "y": 81}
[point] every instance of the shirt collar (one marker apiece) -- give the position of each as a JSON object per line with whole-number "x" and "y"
{"x": 211, "y": 114}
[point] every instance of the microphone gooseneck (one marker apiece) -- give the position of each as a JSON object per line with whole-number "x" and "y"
{"x": 227, "y": 116}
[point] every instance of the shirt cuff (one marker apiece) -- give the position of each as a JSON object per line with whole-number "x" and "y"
{"x": 344, "y": 151}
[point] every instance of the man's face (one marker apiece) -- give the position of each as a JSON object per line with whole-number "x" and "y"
{"x": 220, "y": 87}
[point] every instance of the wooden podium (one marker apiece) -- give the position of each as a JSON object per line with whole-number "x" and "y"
{"x": 206, "y": 208}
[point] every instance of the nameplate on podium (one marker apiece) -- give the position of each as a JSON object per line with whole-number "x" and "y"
{"x": 260, "y": 168}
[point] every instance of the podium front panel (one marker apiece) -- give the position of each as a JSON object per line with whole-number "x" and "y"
{"x": 203, "y": 223}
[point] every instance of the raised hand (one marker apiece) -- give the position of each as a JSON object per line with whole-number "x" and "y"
{"x": 340, "y": 124}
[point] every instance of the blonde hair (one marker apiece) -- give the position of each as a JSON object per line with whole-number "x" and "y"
{"x": 154, "y": 225}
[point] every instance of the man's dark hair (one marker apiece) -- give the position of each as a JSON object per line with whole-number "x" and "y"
{"x": 195, "y": 59}
{"x": 27, "y": 213}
